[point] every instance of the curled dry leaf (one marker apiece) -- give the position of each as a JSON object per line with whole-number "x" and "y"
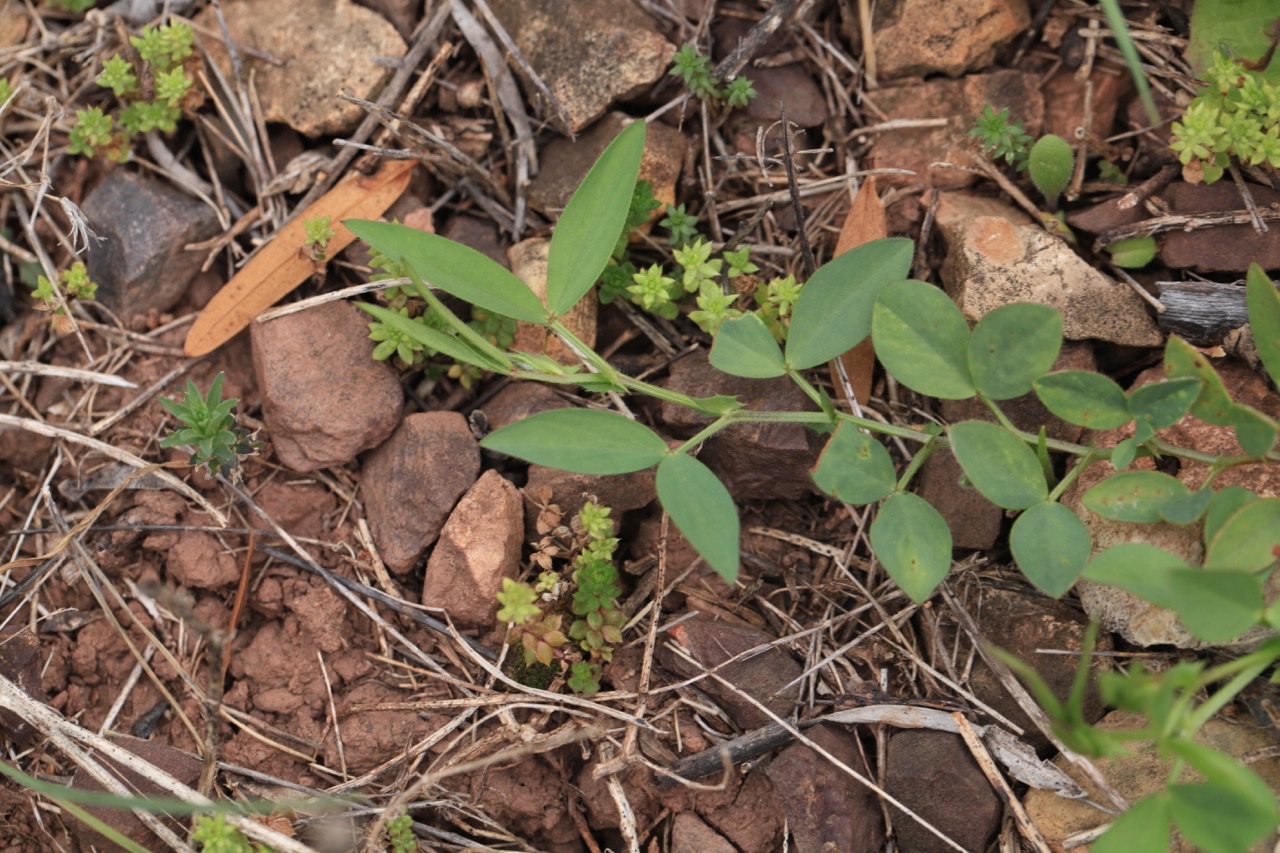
{"x": 280, "y": 266}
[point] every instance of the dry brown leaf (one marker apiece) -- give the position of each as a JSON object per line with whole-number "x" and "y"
{"x": 282, "y": 265}
{"x": 864, "y": 222}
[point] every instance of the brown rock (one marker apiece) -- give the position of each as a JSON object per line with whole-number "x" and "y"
{"x": 826, "y": 809}
{"x": 529, "y": 263}
{"x": 180, "y": 765}
{"x": 567, "y": 490}
{"x": 317, "y": 48}
{"x": 1225, "y": 248}
{"x": 20, "y": 663}
{"x": 960, "y": 102}
{"x": 779, "y": 88}
{"x": 140, "y": 264}
{"x": 371, "y": 737}
{"x": 975, "y": 522}
{"x": 518, "y": 400}
{"x": 933, "y": 774}
{"x": 411, "y": 483}
{"x": 1064, "y": 101}
{"x": 198, "y": 560}
{"x": 769, "y": 460}
{"x": 690, "y": 835}
{"x": 588, "y": 52}
{"x": 478, "y": 547}
{"x": 765, "y": 676}
{"x": 918, "y": 37}
{"x": 324, "y": 398}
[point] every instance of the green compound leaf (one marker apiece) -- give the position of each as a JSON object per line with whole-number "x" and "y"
{"x": 913, "y": 542}
{"x": 1214, "y": 404}
{"x": 1264, "y": 318}
{"x": 1123, "y": 454}
{"x": 1012, "y": 346}
{"x": 1136, "y": 496}
{"x": 1050, "y": 163}
{"x": 1144, "y": 828}
{"x": 1084, "y": 398}
{"x": 1162, "y": 404}
{"x": 744, "y": 346}
{"x": 922, "y": 338}
{"x": 451, "y": 345}
{"x": 1224, "y": 505}
{"x": 1186, "y": 510}
{"x": 999, "y": 464}
{"x": 1223, "y": 770}
{"x": 454, "y": 268}
{"x": 702, "y": 509}
{"x": 1248, "y": 540}
{"x": 1215, "y": 818}
{"x": 855, "y": 467}
{"x": 1051, "y": 545}
{"x": 833, "y": 313}
{"x": 1216, "y": 606}
{"x": 588, "y": 229}
{"x": 1139, "y": 568}
{"x": 1255, "y": 431}
{"x": 584, "y": 441}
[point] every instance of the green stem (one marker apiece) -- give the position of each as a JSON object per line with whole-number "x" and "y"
{"x": 463, "y": 329}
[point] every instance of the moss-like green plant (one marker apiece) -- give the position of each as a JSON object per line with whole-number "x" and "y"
{"x": 319, "y": 231}
{"x": 1236, "y": 115}
{"x": 215, "y": 835}
{"x": 400, "y": 837}
{"x": 695, "y": 70}
{"x": 1002, "y": 138}
{"x": 925, "y": 342}
{"x": 208, "y": 427}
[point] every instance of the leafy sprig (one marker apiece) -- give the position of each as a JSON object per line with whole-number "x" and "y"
{"x": 208, "y": 428}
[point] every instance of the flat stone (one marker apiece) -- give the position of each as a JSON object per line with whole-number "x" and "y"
{"x": 197, "y": 560}
{"x": 826, "y": 810}
{"x": 567, "y": 490}
{"x": 182, "y": 766}
{"x": 317, "y": 48}
{"x": 1138, "y": 621}
{"x": 1223, "y": 248}
{"x": 529, "y": 263}
{"x": 690, "y": 835}
{"x": 589, "y": 53}
{"x": 960, "y": 102}
{"x": 764, "y": 676}
{"x": 975, "y": 522}
{"x": 412, "y": 482}
{"x": 1064, "y": 101}
{"x": 478, "y": 547}
{"x": 993, "y": 262}
{"x": 755, "y": 460}
{"x": 919, "y": 37}
{"x": 565, "y": 162}
{"x": 1142, "y": 771}
{"x": 933, "y": 774}
{"x": 518, "y": 400}
{"x": 140, "y": 265}
{"x": 324, "y": 398}
{"x": 786, "y": 88}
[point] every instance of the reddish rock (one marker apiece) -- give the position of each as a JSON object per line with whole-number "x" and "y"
{"x": 518, "y": 400}
{"x": 20, "y": 662}
{"x": 1064, "y": 101}
{"x": 690, "y": 835}
{"x": 919, "y": 37}
{"x": 1225, "y": 248}
{"x": 933, "y": 774}
{"x": 199, "y": 560}
{"x": 620, "y": 492}
{"x": 180, "y": 765}
{"x": 765, "y": 676}
{"x": 478, "y": 547}
{"x": 826, "y": 809}
{"x": 975, "y": 522}
{"x": 324, "y": 398}
{"x": 411, "y": 483}
{"x": 960, "y": 102}
{"x": 755, "y": 460}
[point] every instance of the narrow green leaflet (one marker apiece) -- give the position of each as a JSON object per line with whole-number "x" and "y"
{"x": 588, "y": 230}
{"x": 1012, "y": 346}
{"x": 1224, "y": 505}
{"x": 1214, "y": 404}
{"x": 854, "y": 467}
{"x": 703, "y": 510}
{"x": 922, "y": 339}
{"x": 1137, "y": 567}
{"x": 833, "y": 313}
{"x": 1264, "y": 316}
{"x": 1216, "y": 818}
{"x": 1051, "y": 545}
{"x": 999, "y": 464}
{"x": 454, "y": 268}
{"x": 1084, "y": 398}
{"x": 745, "y": 347}
{"x": 1134, "y": 496}
{"x": 584, "y": 441}
{"x": 451, "y": 345}
{"x": 1248, "y": 540}
{"x": 1186, "y": 510}
{"x": 1216, "y": 606}
{"x": 913, "y": 542}
{"x": 1162, "y": 404}
{"x": 1144, "y": 828}
{"x": 1123, "y": 454}
{"x": 1227, "y": 772}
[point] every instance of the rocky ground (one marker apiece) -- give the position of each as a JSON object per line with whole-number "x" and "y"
{"x": 328, "y": 626}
